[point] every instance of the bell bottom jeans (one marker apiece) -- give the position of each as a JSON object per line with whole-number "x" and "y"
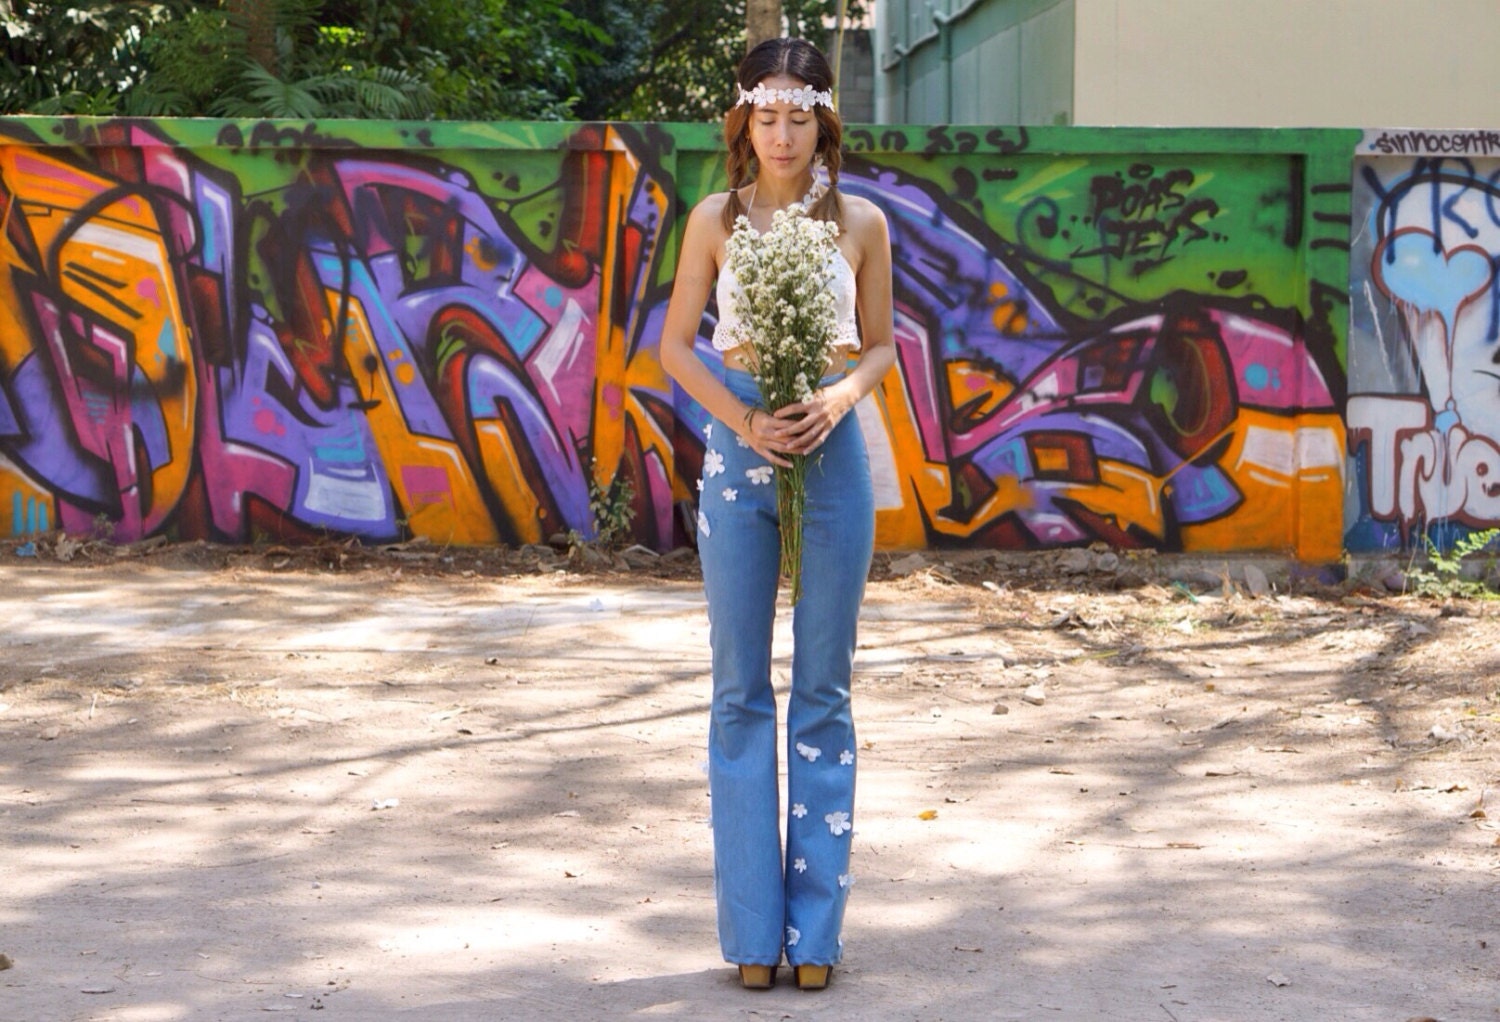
{"x": 768, "y": 903}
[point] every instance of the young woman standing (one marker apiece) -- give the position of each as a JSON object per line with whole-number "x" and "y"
{"x": 782, "y": 136}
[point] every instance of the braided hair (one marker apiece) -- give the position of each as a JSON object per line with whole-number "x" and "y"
{"x": 795, "y": 58}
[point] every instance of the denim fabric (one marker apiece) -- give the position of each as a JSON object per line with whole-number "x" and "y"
{"x": 767, "y": 902}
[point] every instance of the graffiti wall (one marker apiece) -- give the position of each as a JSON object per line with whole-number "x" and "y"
{"x": 1424, "y": 366}
{"x": 242, "y": 330}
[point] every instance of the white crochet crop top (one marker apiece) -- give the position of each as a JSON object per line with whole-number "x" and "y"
{"x": 846, "y": 330}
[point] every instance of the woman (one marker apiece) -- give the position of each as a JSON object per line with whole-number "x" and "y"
{"x": 782, "y": 130}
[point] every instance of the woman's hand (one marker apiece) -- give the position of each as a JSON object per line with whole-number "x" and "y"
{"x": 766, "y": 436}
{"x": 805, "y": 425}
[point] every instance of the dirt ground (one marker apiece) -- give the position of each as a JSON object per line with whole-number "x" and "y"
{"x": 453, "y": 786}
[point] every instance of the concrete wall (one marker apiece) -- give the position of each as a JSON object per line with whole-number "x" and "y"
{"x": 1287, "y": 63}
{"x": 856, "y": 76}
{"x": 1188, "y": 63}
{"x": 1424, "y": 405}
{"x": 974, "y": 61}
{"x": 231, "y": 330}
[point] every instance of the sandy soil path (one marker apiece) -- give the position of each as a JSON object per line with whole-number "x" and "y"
{"x": 230, "y": 792}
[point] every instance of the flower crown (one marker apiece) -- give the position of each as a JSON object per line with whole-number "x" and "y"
{"x": 804, "y": 96}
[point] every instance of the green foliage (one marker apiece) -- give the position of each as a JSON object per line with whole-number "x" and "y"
{"x": 74, "y": 58}
{"x": 695, "y": 46}
{"x": 613, "y": 508}
{"x": 478, "y": 60}
{"x": 604, "y": 85}
{"x": 193, "y": 59}
{"x": 380, "y": 92}
{"x": 1446, "y": 578}
{"x": 201, "y": 64}
{"x": 453, "y": 59}
{"x": 483, "y": 59}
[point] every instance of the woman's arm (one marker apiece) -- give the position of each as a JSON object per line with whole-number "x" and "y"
{"x": 696, "y": 270}
{"x": 813, "y": 420}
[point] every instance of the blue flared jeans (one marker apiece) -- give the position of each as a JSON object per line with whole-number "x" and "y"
{"x": 772, "y": 902}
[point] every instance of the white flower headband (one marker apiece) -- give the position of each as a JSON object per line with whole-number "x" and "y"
{"x": 804, "y": 96}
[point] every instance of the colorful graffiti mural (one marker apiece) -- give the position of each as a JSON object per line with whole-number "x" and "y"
{"x": 450, "y": 331}
{"x": 1068, "y": 387}
{"x": 1424, "y": 407}
{"x": 345, "y": 344}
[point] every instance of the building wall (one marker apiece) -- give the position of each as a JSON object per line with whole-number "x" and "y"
{"x": 1287, "y": 63}
{"x": 974, "y": 62}
{"x": 1424, "y": 410}
{"x": 229, "y": 330}
{"x": 856, "y": 76}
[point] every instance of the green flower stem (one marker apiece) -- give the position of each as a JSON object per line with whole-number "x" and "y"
{"x": 791, "y": 500}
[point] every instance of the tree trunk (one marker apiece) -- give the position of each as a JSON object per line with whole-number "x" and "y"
{"x": 838, "y": 47}
{"x": 762, "y": 22}
{"x": 258, "y": 19}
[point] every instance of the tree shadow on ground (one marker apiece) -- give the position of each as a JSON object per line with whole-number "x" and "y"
{"x": 387, "y": 830}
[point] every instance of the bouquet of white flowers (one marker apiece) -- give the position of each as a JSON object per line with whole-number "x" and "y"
{"x": 787, "y": 320}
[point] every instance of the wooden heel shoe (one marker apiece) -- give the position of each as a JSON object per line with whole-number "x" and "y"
{"x": 813, "y": 977}
{"x": 757, "y": 977}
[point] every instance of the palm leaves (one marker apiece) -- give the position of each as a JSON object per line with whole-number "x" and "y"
{"x": 309, "y": 76}
{"x": 385, "y": 93}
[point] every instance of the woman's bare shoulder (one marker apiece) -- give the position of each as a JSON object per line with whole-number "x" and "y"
{"x": 864, "y": 221}
{"x": 710, "y": 207}
{"x": 703, "y": 238}
{"x": 706, "y": 220}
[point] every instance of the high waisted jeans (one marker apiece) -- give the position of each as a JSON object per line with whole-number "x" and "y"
{"x": 763, "y": 905}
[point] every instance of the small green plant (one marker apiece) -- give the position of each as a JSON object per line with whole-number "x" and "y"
{"x": 102, "y": 528}
{"x": 613, "y": 511}
{"x": 1446, "y": 579}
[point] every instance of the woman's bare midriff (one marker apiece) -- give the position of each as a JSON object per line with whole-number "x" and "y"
{"x": 739, "y": 358}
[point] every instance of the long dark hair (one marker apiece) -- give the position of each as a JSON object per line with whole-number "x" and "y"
{"x": 795, "y": 58}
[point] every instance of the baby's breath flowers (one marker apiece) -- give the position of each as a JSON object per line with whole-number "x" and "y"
{"x": 787, "y": 321}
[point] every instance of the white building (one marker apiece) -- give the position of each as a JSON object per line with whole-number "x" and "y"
{"x": 1232, "y": 63}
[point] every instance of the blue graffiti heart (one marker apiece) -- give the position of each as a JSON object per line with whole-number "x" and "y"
{"x": 1413, "y": 268}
